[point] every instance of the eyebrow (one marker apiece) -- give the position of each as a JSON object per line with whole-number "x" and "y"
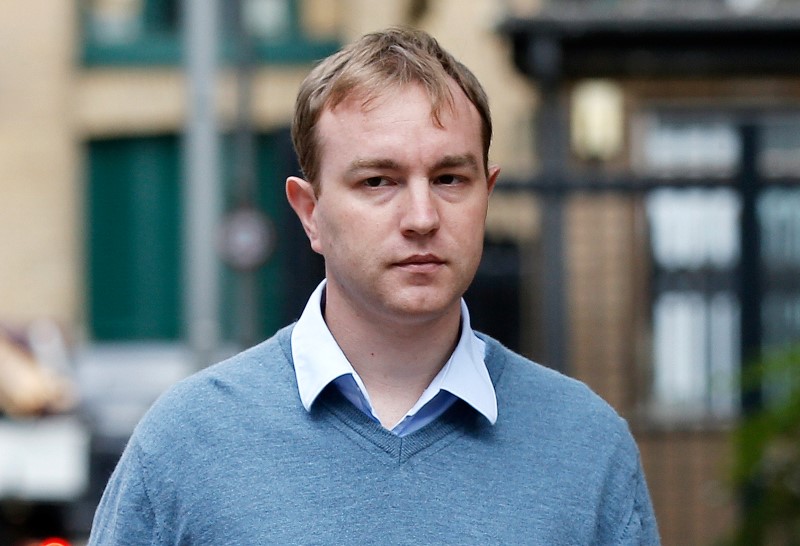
{"x": 447, "y": 162}
{"x": 457, "y": 161}
{"x": 365, "y": 164}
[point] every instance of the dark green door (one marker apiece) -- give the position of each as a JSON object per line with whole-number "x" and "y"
{"x": 134, "y": 239}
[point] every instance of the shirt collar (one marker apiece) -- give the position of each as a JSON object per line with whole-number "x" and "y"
{"x": 318, "y": 360}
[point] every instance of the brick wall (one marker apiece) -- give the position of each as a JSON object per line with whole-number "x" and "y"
{"x": 686, "y": 472}
{"x": 601, "y": 282}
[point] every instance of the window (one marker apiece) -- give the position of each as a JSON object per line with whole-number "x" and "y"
{"x": 695, "y": 251}
{"x": 148, "y": 32}
{"x": 683, "y": 144}
{"x": 131, "y": 31}
{"x": 695, "y": 247}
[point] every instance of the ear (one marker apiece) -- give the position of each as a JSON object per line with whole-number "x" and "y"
{"x": 494, "y": 171}
{"x": 303, "y": 200}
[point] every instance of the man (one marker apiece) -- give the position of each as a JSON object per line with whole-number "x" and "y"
{"x": 380, "y": 416}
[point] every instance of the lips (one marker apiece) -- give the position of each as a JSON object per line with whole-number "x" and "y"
{"x": 421, "y": 263}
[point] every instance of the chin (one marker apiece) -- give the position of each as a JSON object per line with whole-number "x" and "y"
{"x": 424, "y": 309}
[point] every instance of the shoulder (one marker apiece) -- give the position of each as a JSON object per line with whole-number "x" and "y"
{"x": 260, "y": 367}
{"x": 254, "y": 381}
{"x": 515, "y": 375}
{"x": 228, "y": 415}
{"x": 529, "y": 394}
{"x": 558, "y": 425}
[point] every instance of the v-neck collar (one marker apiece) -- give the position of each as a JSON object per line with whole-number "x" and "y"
{"x": 459, "y": 419}
{"x": 355, "y": 423}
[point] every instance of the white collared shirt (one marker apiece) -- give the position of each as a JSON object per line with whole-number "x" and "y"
{"x": 319, "y": 361}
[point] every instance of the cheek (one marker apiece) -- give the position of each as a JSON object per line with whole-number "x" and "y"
{"x": 469, "y": 225}
{"x": 335, "y": 231}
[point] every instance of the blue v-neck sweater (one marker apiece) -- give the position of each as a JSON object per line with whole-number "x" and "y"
{"x": 230, "y": 456}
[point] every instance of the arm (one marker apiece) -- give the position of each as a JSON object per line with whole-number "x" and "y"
{"x": 641, "y": 528}
{"x": 125, "y": 514}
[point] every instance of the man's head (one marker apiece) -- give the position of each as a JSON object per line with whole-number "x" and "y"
{"x": 392, "y": 136}
{"x": 369, "y": 67}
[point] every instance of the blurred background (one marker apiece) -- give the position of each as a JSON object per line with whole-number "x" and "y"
{"x": 644, "y": 236}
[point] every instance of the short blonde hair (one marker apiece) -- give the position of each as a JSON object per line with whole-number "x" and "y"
{"x": 394, "y": 57}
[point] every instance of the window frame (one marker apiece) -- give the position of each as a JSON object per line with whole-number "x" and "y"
{"x": 159, "y": 47}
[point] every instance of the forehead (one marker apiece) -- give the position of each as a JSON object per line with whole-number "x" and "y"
{"x": 399, "y": 119}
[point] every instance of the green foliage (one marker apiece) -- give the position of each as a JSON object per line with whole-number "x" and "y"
{"x": 767, "y": 459}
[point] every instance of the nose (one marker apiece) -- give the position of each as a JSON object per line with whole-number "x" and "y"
{"x": 420, "y": 213}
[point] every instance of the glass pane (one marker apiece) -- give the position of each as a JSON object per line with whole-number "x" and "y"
{"x": 695, "y": 355}
{"x": 116, "y": 21}
{"x": 780, "y": 147}
{"x": 779, "y": 216}
{"x": 691, "y": 229}
{"x": 163, "y": 17}
{"x": 780, "y": 314}
{"x": 723, "y": 355}
{"x": 682, "y": 144}
{"x": 267, "y": 19}
{"x": 695, "y": 244}
{"x": 680, "y": 347}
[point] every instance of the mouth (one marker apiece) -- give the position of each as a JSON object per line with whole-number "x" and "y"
{"x": 421, "y": 263}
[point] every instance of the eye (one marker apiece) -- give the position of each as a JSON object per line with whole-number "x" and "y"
{"x": 448, "y": 179}
{"x": 376, "y": 182}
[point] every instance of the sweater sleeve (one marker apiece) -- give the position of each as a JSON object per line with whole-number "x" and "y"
{"x": 641, "y": 528}
{"x": 125, "y": 514}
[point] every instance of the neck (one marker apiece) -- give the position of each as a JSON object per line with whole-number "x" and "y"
{"x": 396, "y": 359}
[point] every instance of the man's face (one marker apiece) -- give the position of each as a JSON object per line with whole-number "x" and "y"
{"x": 402, "y": 204}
